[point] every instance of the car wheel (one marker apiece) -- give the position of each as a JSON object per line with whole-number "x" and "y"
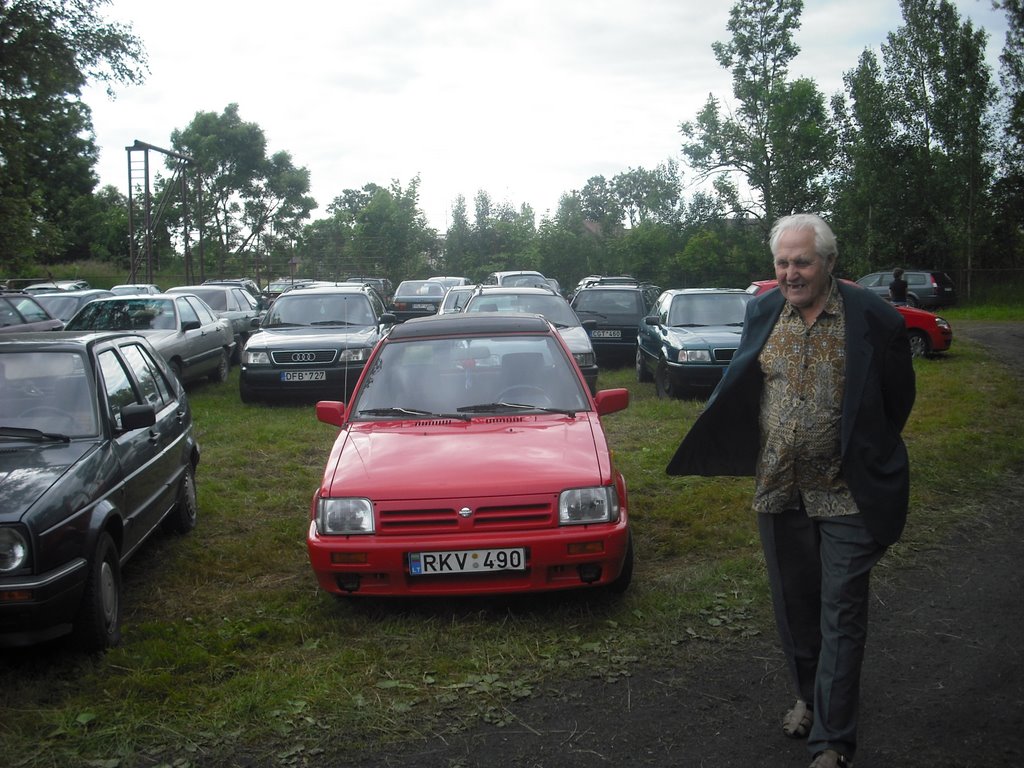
{"x": 220, "y": 373}
{"x": 912, "y": 300}
{"x": 642, "y": 374}
{"x": 246, "y": 393}
{"x": 98, "y": 624}
{"x": 919, "y": 346}
{"x": 182, "y": 517}
{"x": 663, "y": 381}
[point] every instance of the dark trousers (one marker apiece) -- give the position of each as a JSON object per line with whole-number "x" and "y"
{"x": 819, "y": 571}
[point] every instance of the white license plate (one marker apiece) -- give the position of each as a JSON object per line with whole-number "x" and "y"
{"x": 607, "y": 334}
{"x": 467, "y": 561}
{"x": 423, "y": 306}
{"x": 300, "y": 376}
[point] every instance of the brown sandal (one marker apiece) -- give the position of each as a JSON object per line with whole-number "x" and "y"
{"x": 797, "y": 722}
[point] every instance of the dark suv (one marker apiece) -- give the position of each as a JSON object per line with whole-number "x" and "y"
{"x": 313, "y": 343}
{"x": 617, "y": 309}
{"x": 925, "y": 288}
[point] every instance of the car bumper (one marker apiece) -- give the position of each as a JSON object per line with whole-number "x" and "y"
{"x": 269, "y": 382}
{"x": 550, "y": 565}
{"x": 695, "y": 376}
{"x": 38, "y": 608}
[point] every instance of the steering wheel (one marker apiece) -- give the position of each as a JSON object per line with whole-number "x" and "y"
{"x": 527, "y": 394}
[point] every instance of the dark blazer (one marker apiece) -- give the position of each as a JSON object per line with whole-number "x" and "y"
{"x": 877, "y": 398}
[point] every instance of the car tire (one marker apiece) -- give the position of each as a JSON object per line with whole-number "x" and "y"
{"x": 919, "y": 344}
{"x": 220, "y": 373}
{"x": 98, "y": 624}
{"x": 182, "y": 517}
{"x": 663, "y": 385}
{"x": 912, "y": 300}
{"x": 642, "y": 374}
{"x": 245, "y": 392}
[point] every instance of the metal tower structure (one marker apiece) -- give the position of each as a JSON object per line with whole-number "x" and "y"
{"x": 139, "y": 178}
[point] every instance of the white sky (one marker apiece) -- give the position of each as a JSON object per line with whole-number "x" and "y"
{"x": 524, "y": 99}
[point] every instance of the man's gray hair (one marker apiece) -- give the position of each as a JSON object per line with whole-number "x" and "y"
{"x": 824, "y": 239}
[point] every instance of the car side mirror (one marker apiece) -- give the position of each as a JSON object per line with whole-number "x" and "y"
{"x": 331, "y": 412}
{"x": 388, "y": 318}
{"x": 611, "y": 400}
{"x": 589, "y": 325}
{"x": 137, "y": 416}
{"x": 652, "y": 320}
{"x": 191, "y": 325}
{"x": 254, "y": 322}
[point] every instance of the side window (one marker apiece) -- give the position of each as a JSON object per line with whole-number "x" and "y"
{"x": 31, "y": 311}
{"x": 664, "y": 304}
{"x": 186, "y": 310}
{"x": 915, "y": 278}
{"x": 7, "y": 314}
{"x": 117, "y": 383}
{"x": 244, "y": 299}
{"x": 376, "y": 306}
{"x": 204, "y": 315}
{"x": 492, "y": 279}
{"x": 154, "y": 387}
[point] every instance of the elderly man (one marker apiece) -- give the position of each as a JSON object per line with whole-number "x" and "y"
{"x": 813, "y": 405}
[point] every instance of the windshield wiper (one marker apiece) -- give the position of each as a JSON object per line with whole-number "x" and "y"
{"x": 412, "y": 412}
{"x": 27, "y": 433}
{"x": 488, "y": 407}
{"x": 592, "y": 312}
{"x": 283, "y": 325}
{"x": 334, "y": 322}
{"x": 690, "y": 325}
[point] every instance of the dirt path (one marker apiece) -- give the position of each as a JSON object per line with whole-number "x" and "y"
{"x": 943, "y": 683}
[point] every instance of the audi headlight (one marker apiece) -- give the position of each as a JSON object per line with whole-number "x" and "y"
{"x": 584, "y": 359}
{"x": 343, "y": 517}
{"x": 942, "y": 323}
{"x": 13, "y": 550}
{"x": 257, "y": 357}
{"x": 354, "y": 355}
{"x": 694, "y": 356}
{"x": 580, "y": 506}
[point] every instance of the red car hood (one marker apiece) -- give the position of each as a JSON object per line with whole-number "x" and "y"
{"x": 495, "y": 456}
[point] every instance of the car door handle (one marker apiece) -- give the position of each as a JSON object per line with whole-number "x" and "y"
{"x": 154, "y": 437}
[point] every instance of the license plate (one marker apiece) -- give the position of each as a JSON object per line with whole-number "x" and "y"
{"x": 607, "y": 334}
{"x": 467, "y": 561}
{"x": 300, "y": 376}
{"x": 424, "y": 306}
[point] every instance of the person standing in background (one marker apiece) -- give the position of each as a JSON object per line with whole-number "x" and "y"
{"x": 898, "y": 288}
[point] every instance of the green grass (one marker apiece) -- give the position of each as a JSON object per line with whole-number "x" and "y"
{"x": 229, "y": 647}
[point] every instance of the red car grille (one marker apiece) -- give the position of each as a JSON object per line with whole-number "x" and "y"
{"x": 490, "y": 518}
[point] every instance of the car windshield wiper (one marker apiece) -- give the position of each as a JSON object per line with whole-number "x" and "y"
{"x": 284, "y": 325}
{"x": 27, "y": 433}
{"x": 335, "y": 322}
{"x": 592, "y": 312}
{"x": 690, "y": 325}
{"x": 412, "y": 412}
{"x": 488, "y": 407}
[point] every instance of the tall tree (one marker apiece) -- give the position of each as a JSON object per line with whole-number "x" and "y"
{"x": 252, "y": 203}
{"x": 1008, "y": 193}
{"x": 778, "y": 140}
{"x": 49, "y": 50}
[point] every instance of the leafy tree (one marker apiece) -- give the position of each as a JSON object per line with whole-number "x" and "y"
{"x": 779, "y": 139}
{"x": 251, "y": 203}
{"x": 1008, "y": 193}
{"x": 649, "y": 196}
{"x": 49, "y": 50}
{"x": 915, "y": 174}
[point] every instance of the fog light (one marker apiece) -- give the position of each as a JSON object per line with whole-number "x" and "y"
{"x": 589, "y": 572}
{"x": 348, "y": 581}
{"x": 16, "y": 596}
{"x": 348, "y": 558}
{"x": 586, "y": 548}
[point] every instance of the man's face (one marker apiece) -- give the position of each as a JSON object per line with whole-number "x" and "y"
{"x": 803, "y": 275}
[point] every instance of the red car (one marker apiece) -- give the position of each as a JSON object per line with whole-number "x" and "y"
{"x": 471, "y": 460}
{"x": 928, "y": 332}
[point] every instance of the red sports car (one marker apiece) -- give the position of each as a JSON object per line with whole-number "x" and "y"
{"x": 928, "y": 332}
{"x": 471, "y": 460}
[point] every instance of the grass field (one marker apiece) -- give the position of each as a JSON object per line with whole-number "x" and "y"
{"x": 229, "y": 646}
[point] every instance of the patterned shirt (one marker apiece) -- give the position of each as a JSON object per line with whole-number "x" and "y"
{"x": 801, "y": 413}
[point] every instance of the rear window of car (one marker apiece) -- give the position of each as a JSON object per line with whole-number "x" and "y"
{"x": 609, "y": 302}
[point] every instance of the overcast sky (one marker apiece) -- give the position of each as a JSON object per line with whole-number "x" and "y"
{"x": 524, "y": 99}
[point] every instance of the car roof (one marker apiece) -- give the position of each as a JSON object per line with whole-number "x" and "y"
{"x": 694, "y": 291}
{"x": 516, "y": 290}
{"x": 61, "y": 339}
{"x": 314, "y": 290}
{"x": 459, "y": 323}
